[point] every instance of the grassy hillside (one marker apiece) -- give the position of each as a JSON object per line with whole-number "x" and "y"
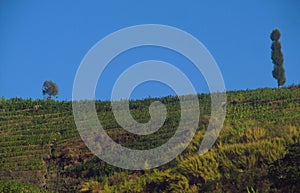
{"x": 257, "y": 148}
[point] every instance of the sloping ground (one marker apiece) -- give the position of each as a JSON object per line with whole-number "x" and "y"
{"x": 40, "y": 145}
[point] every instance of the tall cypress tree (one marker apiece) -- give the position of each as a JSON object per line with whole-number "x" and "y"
{"x": 277, "y": 58}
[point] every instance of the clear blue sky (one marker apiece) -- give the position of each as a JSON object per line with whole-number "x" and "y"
{"x": 46, "y": 40}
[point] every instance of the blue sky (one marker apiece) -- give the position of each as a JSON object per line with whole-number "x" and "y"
{"x": 47, "y": 40}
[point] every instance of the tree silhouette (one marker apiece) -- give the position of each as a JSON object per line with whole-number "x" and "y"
{"x": 277, "y": 58}
{"x": 50, "y": 89}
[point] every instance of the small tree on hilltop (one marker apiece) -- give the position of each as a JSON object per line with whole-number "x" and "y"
{"x": 50, "y": 89}
{"x": 277, "y": 58}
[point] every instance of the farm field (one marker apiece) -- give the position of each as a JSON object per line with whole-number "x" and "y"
{"x": 258, "y": 149}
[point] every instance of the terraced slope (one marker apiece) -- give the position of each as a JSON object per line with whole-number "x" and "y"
{"x": 40, "y": 144}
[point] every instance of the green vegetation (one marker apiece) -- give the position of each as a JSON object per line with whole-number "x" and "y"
{"x": 277, "y": 58}
{"x": 257, "y": 150}
{"x": 13, "y": 187}
{"x": 285, "y": 172}
{"x": 50, "y": 89}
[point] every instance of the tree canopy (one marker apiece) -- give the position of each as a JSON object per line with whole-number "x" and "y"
{"x": 50, "y": 89}
{"x": 277, "y": 58}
